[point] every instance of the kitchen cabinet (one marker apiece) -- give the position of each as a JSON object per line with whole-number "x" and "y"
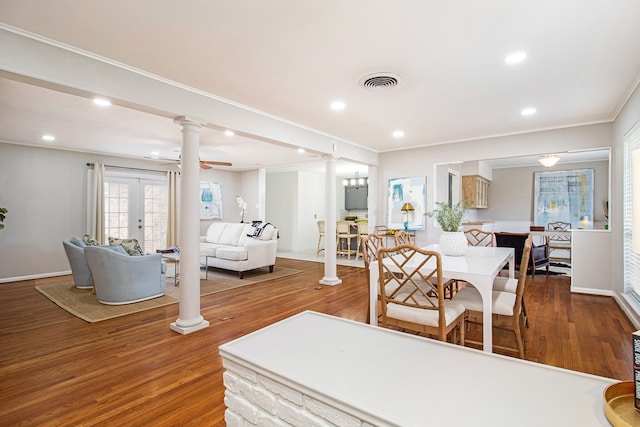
{"x": 355, "y": 198}
{"x": 475, "y": 191}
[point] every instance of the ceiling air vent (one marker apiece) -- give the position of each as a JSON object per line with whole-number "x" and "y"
{"x": 379, "y": 80}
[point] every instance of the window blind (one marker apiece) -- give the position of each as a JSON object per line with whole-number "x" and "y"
{"x": 631, "y": 258}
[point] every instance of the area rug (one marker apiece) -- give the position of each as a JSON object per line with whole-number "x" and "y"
{"x": 83, "y": 304}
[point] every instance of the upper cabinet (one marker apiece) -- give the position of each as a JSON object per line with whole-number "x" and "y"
{"x": 475, "y": 191}
{"x": 355, "y": 198}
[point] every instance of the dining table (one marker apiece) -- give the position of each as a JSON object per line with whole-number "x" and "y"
{"x": 479, "y": 266}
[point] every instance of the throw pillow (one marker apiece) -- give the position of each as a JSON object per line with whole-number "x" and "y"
{"x": 267, "y": 232}
{"x": 130, "y": 245}
{"x": 90, "y": 241}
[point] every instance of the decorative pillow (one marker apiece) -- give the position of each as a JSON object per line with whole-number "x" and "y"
{"x": 267, "y": 232}
{"x": 77, "y": 241}
{"x": 90, "y": 241}
{"x": 130, "y": 245}
{"x": 261, "y": 230}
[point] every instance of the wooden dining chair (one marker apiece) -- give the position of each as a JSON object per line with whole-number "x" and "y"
{"x": 402, "y": 237}
{"x": 504, "y": 304}
{"x": 450, "y": 285}
{"x": 369, "y": 246}
{"x": 412, "y": 293}
{"x": 559, "y": 244}
{"x": 362, "y": 228}
{"x": 477, "y": 237}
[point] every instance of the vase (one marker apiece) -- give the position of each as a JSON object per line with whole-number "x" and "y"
{"x": 453, "y": 243}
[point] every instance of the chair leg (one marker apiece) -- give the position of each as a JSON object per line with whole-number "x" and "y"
{"x": 517, "y": 320}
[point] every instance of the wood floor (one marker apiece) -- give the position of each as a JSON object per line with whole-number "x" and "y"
{"x": 56, "y": 369}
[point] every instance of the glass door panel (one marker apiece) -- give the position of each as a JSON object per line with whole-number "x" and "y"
{"x": 136, "y": 208}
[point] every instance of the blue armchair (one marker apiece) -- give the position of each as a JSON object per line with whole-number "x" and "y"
{"x": 124, "y": 279}
{"x": 82, "y": 277}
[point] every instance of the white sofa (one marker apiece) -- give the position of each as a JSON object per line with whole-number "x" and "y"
{"x": 228, "y": 246}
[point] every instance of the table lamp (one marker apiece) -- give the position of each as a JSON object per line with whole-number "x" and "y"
{"x": 406, "y": 208}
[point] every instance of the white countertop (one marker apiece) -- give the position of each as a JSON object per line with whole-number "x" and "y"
{"x": 393, "y": 378}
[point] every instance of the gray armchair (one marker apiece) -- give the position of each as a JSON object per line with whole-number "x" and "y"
{"x": 124, "y": 279}
{"x": 82, "y": 277}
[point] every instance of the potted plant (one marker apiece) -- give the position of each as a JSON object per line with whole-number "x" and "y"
{"x": 452, "y": 240}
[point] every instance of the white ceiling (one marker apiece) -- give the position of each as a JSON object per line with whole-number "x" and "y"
{"x": 290, "y": 59}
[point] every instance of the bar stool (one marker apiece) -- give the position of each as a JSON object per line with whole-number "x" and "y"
{"x": 343, "y": 238}
{"x": 320, "y": 236}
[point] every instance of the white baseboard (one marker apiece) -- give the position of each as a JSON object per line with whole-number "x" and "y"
{"x": 630, "y": 308}
{"x": 591, "y": 291}
{"x": 34, "y": 276}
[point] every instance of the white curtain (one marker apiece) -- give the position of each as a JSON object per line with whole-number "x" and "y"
{"x": 97, "y": 204}
{"x": 173, "y": 207}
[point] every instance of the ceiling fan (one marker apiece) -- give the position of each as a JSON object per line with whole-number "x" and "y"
{"x": 204, "y": 164}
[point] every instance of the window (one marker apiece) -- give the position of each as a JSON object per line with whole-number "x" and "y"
{"x": 631, "y": 258}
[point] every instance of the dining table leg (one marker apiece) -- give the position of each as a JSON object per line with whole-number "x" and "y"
{"x": 486, "y": 292}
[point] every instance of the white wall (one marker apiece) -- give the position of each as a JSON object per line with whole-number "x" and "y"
{"x": 295, "y": 202}
{"x": 230, "y": 188}
{"x": 282, "y": 206}
{"x": 45, "y": 192}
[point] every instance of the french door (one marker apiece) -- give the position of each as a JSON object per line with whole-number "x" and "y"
{"x": 136, "y": 208}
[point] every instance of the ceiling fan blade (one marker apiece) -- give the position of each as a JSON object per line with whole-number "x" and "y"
{"x": 206, "y": 162}
{"x": 203, "y": 165}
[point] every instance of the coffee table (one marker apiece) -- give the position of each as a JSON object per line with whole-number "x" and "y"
{"x": 174, "y": 257}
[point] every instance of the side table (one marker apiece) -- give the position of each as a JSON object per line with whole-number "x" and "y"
{"x": 173, "y": 258}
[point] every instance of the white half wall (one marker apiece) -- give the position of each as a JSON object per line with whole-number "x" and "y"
{"x": 590, "y": 263}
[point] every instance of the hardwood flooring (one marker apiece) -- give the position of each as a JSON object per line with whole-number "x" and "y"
{"x": 56, "y": 369}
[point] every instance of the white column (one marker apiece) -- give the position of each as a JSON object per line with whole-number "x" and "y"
{"x": 372, "y": 202}
{"x": 190, "y": 319}
{"x": 330, "y": 269}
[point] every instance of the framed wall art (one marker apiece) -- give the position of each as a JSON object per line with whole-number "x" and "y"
{"x": 563, "y": 196}
{"x": 210, "y": 200}
{"x": 411, "y": 190}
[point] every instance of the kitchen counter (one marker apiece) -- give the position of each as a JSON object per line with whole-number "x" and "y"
{"x": 315, "y": 369}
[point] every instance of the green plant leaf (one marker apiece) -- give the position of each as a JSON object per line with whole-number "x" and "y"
{"x": 449, "y": 217}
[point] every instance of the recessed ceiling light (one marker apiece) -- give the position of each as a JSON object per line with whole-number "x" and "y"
{"x": 528, "y": 111}
{"x": 101, "y": 102}
{"x": 229, "y": 132}
{"x": 48, "y": 138}
{"x": 515, "y": 58}
{"x": 338, "y": 105}
{"x": 398, "y": 133}
{"x": 300, "y": 150}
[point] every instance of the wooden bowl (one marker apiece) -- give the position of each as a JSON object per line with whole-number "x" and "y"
{"x": 619, "y": 405}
